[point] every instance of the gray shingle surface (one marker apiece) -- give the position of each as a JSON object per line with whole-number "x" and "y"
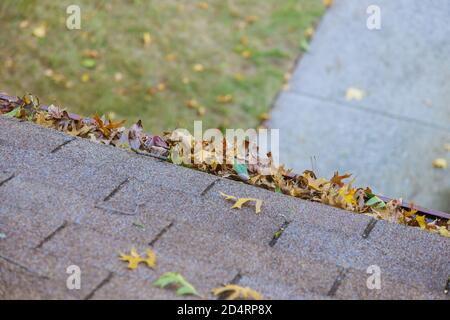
{"x": 85, "y": 203}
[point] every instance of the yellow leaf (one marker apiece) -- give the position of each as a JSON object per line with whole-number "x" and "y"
{"x": 440, "y": 163}
{"x": 146, "y": 38}
{"x": 171, "y": 57}
{"x": 233, "y": 292}
{"x": 354, "y": 94}
{"x": 309, "y": 32}
{"x": 348, "y": 195}
{"x": 85, "y": 77}
{"x": 421, "y": 221}
{"x": 264, "y": 116}
{"x": 327, "y": 3}
{"x": 239, "y": 202}
{"x": 443, "y": 231}
{"x": 246, "y": 54}
{"x": 202, "y": 5}
{"x": 40, "y": 31}
{"x": 134, "y": 259}
{"x": 226, "y": 98}
{"x": 198, "y": 67}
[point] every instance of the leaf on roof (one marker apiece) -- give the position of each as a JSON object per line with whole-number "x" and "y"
{"x": 421, "y": 221}
{"x": 337, "y": 179}
{"x": 235, "y": 292}
{"x": 134, "y": 259}
{"x": 14, "y": 113}
{"x": 176, "y": 280}
{"x": 239, "y": 202}
{"x": 443, "y": 231}
{"x": 375, "y": 202}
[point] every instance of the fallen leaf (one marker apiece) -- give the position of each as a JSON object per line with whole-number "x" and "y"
{"x": 309, "y": 32}
{"x": 226, "y": 98}
{"x": 421, "y": 221}
{"x": 202, "y": 5}
{"x": 85, "y": 77}
{"x": 234, "y": 292}
{"x": 89, "y": 63}
{"x": 134, "y": 259}
{"x": 443, "y": 231}
{"x": 176, "y": 279}
{"x": 146, "y": 39}
{"x": 447, "y": 147}
{"x": 327, "y": 3}
{"x": 246, "y": 54}
{"x": 337, "y": 179}
{"x": 118, "y": 77}
{"x": 304, "y": 45}
{"x": 239, "y": 202}
{"x": 264, "y": 116}
{"x": 40, "y": 31}
{"x": 251, "y": 19}
{"x": 171, "y": 57}
{"x": 375, "y": 202}
{"x": 354, "y": 94}
{"x": 440, "y": 163}
{"x": 198, "y": 67}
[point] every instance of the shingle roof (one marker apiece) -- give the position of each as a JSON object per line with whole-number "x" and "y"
{"x": 67, "y": 201}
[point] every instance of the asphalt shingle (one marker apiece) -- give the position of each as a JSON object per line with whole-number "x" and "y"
{"x": 85, "y": 203}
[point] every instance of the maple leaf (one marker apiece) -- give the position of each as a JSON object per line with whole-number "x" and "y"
{"x": 233, "y": 292}
{"x": 176, "y": 279}
{"x": 239, "y": 202}
{"x": 134, "y": 259}
{"x": 337, "y": 179}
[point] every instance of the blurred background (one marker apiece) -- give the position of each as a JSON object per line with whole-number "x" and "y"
{"x": 165, "y": 62}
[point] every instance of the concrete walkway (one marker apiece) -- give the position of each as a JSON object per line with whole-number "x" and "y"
{"x": 390, "y": 137}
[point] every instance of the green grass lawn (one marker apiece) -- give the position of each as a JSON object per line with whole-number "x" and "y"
{"x": 220, "y": 61}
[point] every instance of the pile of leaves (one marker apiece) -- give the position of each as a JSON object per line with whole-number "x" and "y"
{"x": 237, "y": 162}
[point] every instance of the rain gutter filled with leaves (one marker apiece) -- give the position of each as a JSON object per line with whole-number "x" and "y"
{"x": 307, "y": 186}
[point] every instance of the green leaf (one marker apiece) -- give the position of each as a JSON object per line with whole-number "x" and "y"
{"x": 89, "y": 63}
{"x": 14, "y": 113}
{"x": 304, "y": 45}
{"x": 278, "y": 189}
{"x": 375, "y": 201}
{"x": 241, "y": 170}
{"x": 176, "y": 279}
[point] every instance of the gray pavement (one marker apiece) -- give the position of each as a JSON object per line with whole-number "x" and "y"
{"x": 390, "y": 137}
{"x": 75, "y": 203}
